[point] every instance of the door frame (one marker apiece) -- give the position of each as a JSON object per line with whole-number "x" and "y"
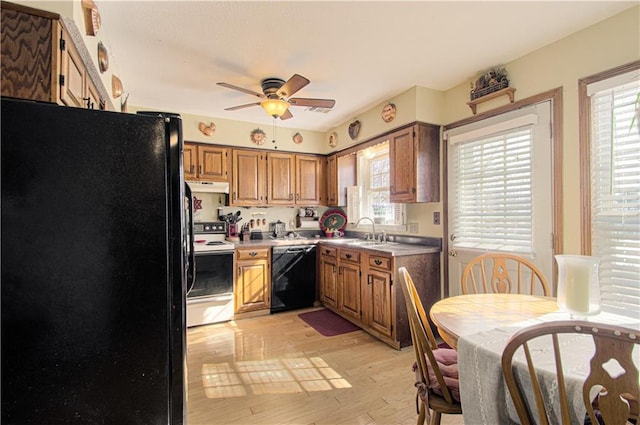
{"x": 555, "y": 96}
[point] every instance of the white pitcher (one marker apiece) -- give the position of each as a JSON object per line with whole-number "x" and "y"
{"x": 578, "y": 284}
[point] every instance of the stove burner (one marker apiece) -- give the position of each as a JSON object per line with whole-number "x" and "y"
{"x": 215, "y": 243}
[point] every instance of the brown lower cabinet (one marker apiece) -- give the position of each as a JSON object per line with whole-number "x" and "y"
{"x": 362, "y": 286}
{"x": 252, "y": 291}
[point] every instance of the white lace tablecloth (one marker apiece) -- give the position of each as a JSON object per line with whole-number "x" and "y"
{"x": 483, "y": 392}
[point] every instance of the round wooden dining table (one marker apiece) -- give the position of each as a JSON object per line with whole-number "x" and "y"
{"x": 471, "y": 313}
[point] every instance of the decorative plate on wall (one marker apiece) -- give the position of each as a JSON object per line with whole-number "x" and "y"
{"x": 103, "y": 57}
{"x": 257, "y": 136}
{"x": 297, "y": 138}
{"x": 116, "y": 86}
{"x": 388, "y": 112}
{"x": 333, "y": 139}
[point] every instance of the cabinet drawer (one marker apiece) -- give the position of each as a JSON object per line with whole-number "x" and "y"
{"x": 350, "y": 255}
{"x": 328, "y": 251}
{"x": 251, "y": 254}
{"x": 382, "y": 263}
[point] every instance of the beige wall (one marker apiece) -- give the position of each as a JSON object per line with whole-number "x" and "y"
{"x": 610, "y": 43}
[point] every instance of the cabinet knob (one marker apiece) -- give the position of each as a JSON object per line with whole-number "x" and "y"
{"x": 378, "y": 262}
{"x": 253, "y": 253}
{"x": 348, "y": 255}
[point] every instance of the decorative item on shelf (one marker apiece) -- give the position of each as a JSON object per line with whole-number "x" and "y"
{"x": 258, "y": 136}
{"x": 388, "y": 112}
{"x": 92, "y": 20}
{"x": 578, "y": 284}
{"x": 297, "y": 138}
{"x": 207, "y": 130}
{"x": 116, "y": 86}
{"x": 103, "y": 57}
{"x": 333, "y": 139}
{"x": 354, "y": 129}
{"x": 488, "y": 82}
{"x": 123, "y": 104}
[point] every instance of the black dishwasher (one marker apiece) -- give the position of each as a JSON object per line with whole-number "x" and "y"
{"x": 293, "y": 277}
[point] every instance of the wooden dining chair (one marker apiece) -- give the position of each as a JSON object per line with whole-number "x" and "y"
{"x": 614, "y": 404}
{"x": 503, "y": 273}
{"x": 436, "y": 369}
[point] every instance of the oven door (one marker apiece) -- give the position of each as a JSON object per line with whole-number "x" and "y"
{"x": 213, "y": 274}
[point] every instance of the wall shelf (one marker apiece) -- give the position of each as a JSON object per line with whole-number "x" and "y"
{"x": 506, "y": 91}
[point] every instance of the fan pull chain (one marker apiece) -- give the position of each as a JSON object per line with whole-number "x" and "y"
{"x": 274, "y": 134}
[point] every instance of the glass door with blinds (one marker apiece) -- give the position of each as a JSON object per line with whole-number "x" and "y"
{"x": 615, "y": 189}
{"x": 500, "y": 189}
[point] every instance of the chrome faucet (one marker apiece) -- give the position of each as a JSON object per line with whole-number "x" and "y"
{"x": 373, "y": 225}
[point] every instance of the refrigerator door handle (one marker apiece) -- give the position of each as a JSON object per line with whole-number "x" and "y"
{"x": 191, "y": 270}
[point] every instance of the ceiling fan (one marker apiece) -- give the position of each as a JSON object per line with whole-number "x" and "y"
{"x": 277, "y": 96}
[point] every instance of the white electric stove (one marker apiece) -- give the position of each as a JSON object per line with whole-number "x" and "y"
{"x": 211, "y": 298}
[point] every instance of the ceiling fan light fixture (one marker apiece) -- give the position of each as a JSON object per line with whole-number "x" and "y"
{"x": 275, "y": 107}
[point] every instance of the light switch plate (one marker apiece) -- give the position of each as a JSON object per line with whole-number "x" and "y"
{"x": 413, "y": 227}
{"x": 436, "y": 217}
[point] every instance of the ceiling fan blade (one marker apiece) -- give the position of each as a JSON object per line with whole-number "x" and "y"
{"x": 246, "y": 105}
{"x": 295, "y": 83}
{"x": 319, "y": 103}
{"x": 243, "y": 90}
{"x": 287, "y": 114}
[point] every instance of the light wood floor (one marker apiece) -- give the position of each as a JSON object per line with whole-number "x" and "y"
{"x": 277, "y": 370}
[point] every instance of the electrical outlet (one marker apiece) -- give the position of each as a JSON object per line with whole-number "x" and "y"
{"x": 413, "y": 227}
{"x": 436, "y": 217}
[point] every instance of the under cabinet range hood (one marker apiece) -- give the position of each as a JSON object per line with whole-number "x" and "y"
{"x": 210, "y": 187}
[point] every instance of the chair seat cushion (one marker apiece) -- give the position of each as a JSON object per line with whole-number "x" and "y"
{"x": 447, "y": 360}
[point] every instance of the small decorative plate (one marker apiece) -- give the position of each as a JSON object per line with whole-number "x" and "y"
{"x": 333, "y": 139}
{"x": 103, "y": 57}
{"x": 333, "y": 219}
{"x": 297, "y": 138}
{"x": 257, "y": 136}
{"x": 116, "y": 86}
{"x": 388, "y": 112}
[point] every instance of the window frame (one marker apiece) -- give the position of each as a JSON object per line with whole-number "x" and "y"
{"x": 584, "y": 137}
{"x": 364, "y": 171}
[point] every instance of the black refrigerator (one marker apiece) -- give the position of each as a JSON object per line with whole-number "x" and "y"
{"x": 94, "y": 266}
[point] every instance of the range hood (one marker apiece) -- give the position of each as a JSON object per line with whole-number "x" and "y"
{"x": 210, "y": 187}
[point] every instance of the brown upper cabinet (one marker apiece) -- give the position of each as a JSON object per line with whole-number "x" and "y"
{"x": 206, "y": 163}
{"x": 341, "y": 173}
{"x": 281, "y": 178}
{"x": 53, "y": 71}
{"x": 414, "y": 154}
{"x": 309, "y": 180}
{"x": 248, "y": 186}
{"x": 294, "y": 179}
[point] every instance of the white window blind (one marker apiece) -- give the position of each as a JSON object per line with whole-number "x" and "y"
{"x": 374, "y": 178}
{"x": 494, "y": 192}
{"x": 615, "y": 196}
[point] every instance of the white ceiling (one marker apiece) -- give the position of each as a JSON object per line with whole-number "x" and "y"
{"x": 170, "y": 54}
